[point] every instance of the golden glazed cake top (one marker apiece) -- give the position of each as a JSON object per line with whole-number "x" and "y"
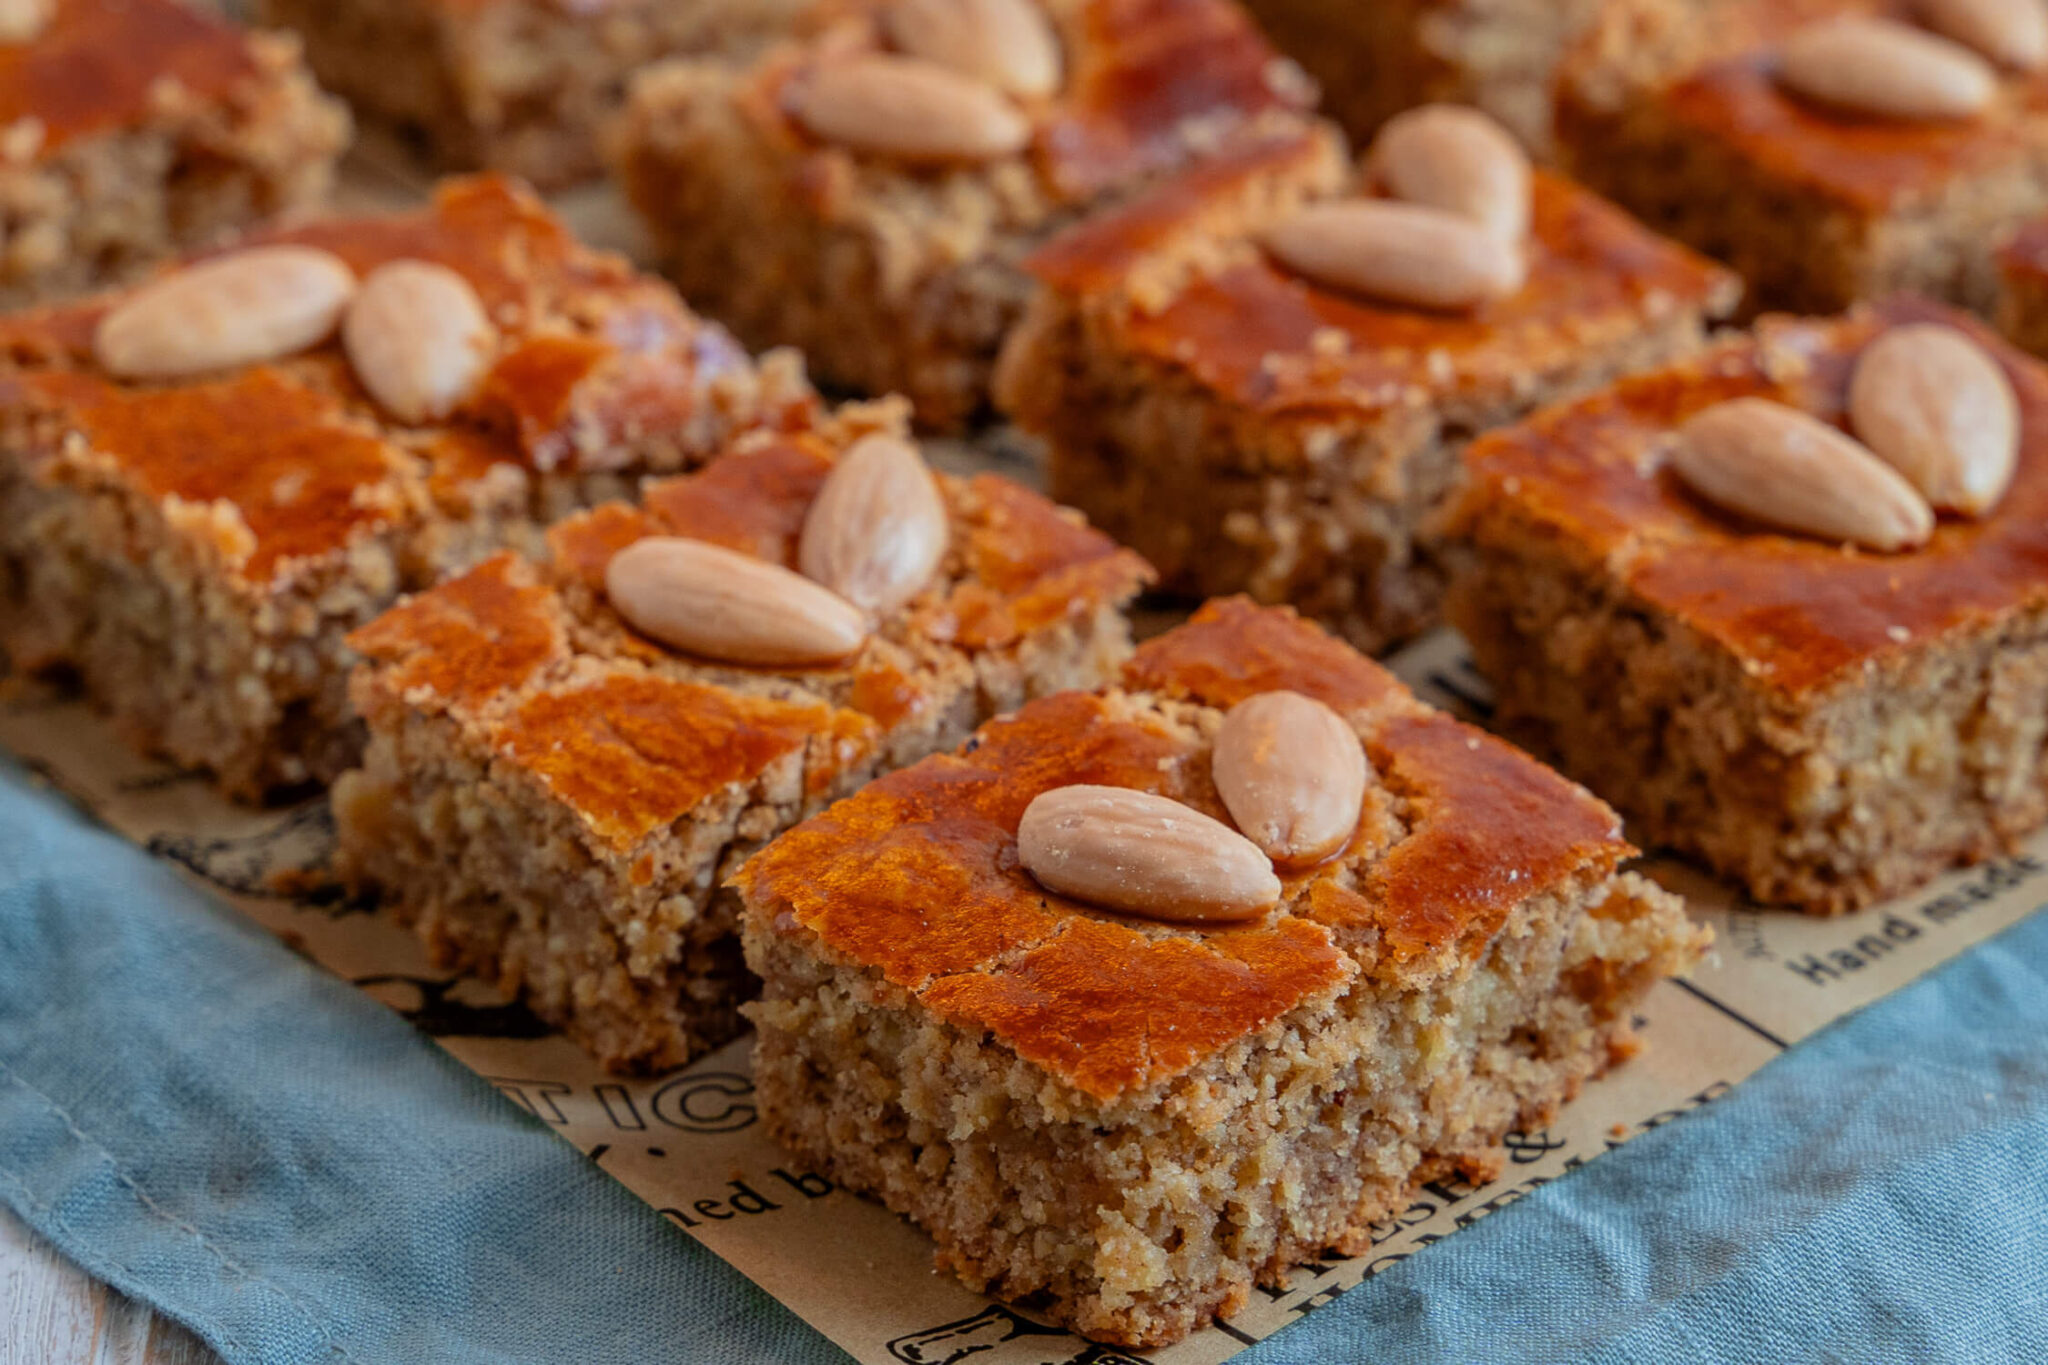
{"x": 1177, "y": 279}
{"x": 1798, "y": 614}
{"x": 103, "y": 66}
{"x": 494, "y": 644}
{"x": 1147, "y": 84}
{"x": 916, "y": 878}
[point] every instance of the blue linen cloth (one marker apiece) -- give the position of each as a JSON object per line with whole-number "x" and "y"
{"x": 220, "y": 1129}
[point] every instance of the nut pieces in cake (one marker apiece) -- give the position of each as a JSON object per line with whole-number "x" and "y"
{"x": 1936, "y": 407}
{"x": 250, "y": 306}
{"x": 418, "y": 339}
{"x": 1144, "y": 854}
{"x": 1292, "y": 775}
{"x": 1451, "y": 236}
{"x": 1884, "y": 69}
{"x": 1290, "y": 771}
{"x": 1936, "y": 427}
{"x": 872, "y": 538}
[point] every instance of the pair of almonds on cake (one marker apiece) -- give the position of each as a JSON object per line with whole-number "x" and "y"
{"x": 1935, "y": 427}
{"x": 1291, "y": 773}
{"x": 1449, "y": 233}
{"x": 1944, "y": 68}
{"x": 415, "y": 332}
{"x": 871, "y": 541}
{"x": 950, "y": 90}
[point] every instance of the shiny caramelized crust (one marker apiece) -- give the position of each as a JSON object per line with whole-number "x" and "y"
{"x": 1798, "y": 616}
{"x": 1246, "y": 429}
{"x": 917, "y": 878}
{"x": 267, "y": 512}
{"x": 599, "y": 368}
{"x": 1815, "y": 208}
{"x": 1826, "y": 725}
{"x": 1128, "y": 1123}
{"x": 131, "y": 129}
{"x": 897, "y": 278}
{"x": 617, "y": 781}
{"x": 96, "y": 67}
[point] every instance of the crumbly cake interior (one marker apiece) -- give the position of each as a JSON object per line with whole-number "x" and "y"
{"x": 91, "y": 207}
{"x": 1826, "y": 726}
{"x": 1092, "y": 1123}
{"x": 1139, "y": 1223}
{"x": 522, "y": 86}
{"x": 1830, "y": 802}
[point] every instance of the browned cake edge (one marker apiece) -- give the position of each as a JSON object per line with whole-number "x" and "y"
{"x": 1847, "y": 796}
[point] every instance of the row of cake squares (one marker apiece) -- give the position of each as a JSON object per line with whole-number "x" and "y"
{"x": 1260, "y": 370}
{"x": 769, "y": 726}
{"x": 370, "y": 498}
{"x": 900, "y": 158}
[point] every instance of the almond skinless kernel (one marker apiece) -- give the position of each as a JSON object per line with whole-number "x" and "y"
{"x": 2013, "y": 33}
{"x": 1008, "y": 43}
{"x": 1453, "y": 157}
{"x": 260, "y": 304}
{"x": 1292, "y": 774}
{"x": 1143, "y": 854}
{"x": 23, "y": 20}
{"x": 1936, "y": 407}
{"x": 418, "y": 338}
{"x": 722, "y": 604}
{"x": 910, "y": 109}
{"x": 1403, "y": 253}
{"x": 1886, "y": 70}
{"x": 878, "y": 528}
{"x": 1784, "y": 468}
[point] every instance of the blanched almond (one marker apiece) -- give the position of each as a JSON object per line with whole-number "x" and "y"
{"x": 241, "y": 309}
{"x": 1143, "y": 854}
{"x": 719, "y": 603}
{"x": 1008, "y": 43}
{"x": 1886, "y": 70}
{"x": 1291, "y": 773}
{"x": 1786, "y": 469}
{"x": 1934, "y": 406}
{"x": 877, "y": 530}
{"x": 2013, "y": 33}
{"x": 1453, "y": 157}
{"x": 23, "y": 20}
{"x": 1402, "y": 253}
{"x": 419, "y": 339}
{"x": 911, "y": 109}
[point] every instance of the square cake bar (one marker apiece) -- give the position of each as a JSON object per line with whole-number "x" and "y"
{"x": 196, "y": 549}
{"x": 1247, "y": 428}
{"x": 131, "y": 130}
{"x": 1825, "y": 725}
{"x": 1127, "y": 1124}
{"x": 1375, "y": 60}
{"x": 519, "y": 86}
{"x": 554, "y": 798}
{"x": 785, "y": 201}
{"x": 1681, "y": 113}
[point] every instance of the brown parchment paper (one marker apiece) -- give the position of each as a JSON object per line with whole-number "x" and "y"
{"x": 690, "y": 1143}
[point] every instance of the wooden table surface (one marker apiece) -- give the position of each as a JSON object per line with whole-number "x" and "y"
{"x": 52, "y": 1313}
